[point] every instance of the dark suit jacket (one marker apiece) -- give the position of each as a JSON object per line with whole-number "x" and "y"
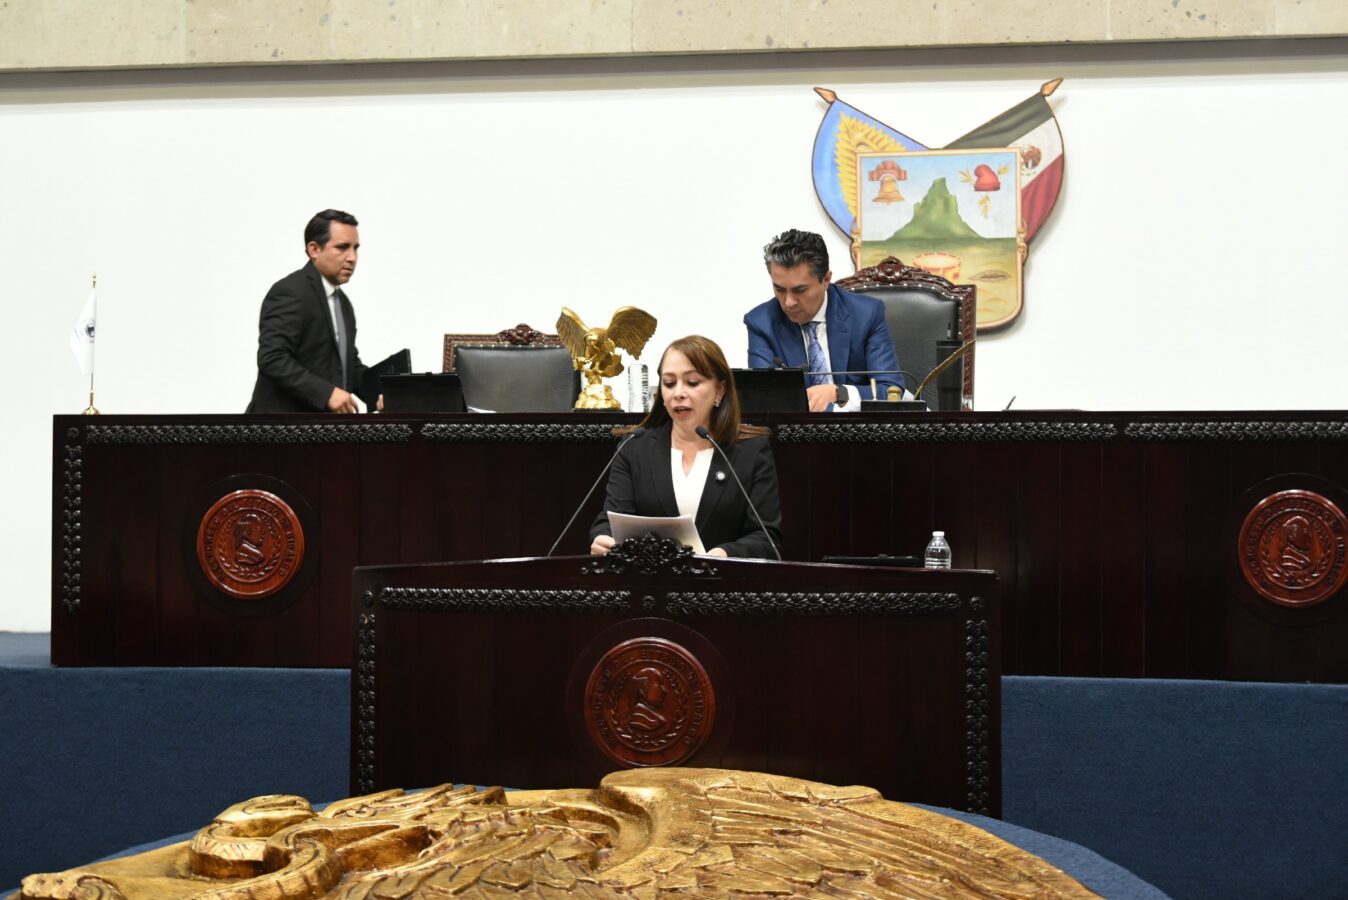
{"x": 297, "y": 360}
{"x": 640, "y": 483}
{"x": 858, "y": 339}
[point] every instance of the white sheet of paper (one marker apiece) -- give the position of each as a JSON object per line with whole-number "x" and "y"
{"x": 680, "y": 528}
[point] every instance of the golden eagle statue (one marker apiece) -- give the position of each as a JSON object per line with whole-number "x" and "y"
{"x": 595, "y": 351}
{"x": 645, "y": 834}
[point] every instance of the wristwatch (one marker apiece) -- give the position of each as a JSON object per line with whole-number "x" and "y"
{"x": 842, "y": 396}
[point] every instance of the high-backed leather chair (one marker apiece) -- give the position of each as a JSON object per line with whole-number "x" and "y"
{"x": 516, "y": 370}
{"x": 928, "y": 318}
{"x": 520, "y": 335}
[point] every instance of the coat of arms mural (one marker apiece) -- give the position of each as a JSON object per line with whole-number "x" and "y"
{"x": 967, "y": 211}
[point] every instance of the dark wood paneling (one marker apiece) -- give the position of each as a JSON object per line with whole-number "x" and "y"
{"x": 1123, "y": 562}
{"x": 1206, "y": 511}
{"x": 1039, "y": 552}
{"x": 1080, "y": 526}
{"x": 887, "y": 673}
{"x": 1114, "y": 533}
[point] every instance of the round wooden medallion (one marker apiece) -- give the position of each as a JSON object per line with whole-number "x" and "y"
{"x": 649, "y": 702}
{"x": 250, "y": 544}
{"x": 1292, "y": 548}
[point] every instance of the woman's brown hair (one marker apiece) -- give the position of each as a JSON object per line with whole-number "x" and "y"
{"x": 707, "y": 359}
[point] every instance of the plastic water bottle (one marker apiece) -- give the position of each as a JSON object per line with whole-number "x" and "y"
{"x": 638, "y": 388}
{"x": 938, "y": 552}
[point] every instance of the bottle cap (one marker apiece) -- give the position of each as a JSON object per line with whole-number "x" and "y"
{"x": 938, "y": 534}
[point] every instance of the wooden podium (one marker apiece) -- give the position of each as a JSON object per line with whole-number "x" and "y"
{"x": 549, "y": 673}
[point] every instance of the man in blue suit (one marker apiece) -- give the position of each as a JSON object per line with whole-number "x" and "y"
{"x": 815, "y": 325}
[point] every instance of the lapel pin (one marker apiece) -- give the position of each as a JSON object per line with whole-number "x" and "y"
{"x": 720, "y": 476}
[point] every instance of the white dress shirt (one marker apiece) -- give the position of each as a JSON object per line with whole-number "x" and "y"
{"x": 333, "y": 305}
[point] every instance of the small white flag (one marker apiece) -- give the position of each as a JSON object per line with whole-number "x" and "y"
{"x": 82, "y": 335}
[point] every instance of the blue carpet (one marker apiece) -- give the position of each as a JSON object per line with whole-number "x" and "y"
{"x": 99, "y": 759}
{"x": 1206, "y": 789}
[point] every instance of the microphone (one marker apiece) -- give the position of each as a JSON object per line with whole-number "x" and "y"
{"x": 621, "y": 444}
{"x": 703, "y": 433}
{"x": 945, "y": 364}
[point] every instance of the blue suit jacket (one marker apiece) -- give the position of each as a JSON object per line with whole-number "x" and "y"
{"x": 858, "y": 339}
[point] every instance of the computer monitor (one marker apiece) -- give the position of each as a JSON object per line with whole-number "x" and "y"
{"x": 433, "y": 392}
{"x": 771, "y": 390}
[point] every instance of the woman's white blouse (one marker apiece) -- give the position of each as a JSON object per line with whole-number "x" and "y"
{"x": 688, "y": 488}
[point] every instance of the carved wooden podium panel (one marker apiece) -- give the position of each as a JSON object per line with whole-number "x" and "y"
{"x": 528, "y": 673}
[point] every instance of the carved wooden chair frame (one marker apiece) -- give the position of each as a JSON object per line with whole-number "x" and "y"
{"x": 520, "y": 335}
{"x": 890, "y": 272}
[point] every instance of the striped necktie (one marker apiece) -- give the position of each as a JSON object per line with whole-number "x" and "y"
{"x": 818, "y": 365}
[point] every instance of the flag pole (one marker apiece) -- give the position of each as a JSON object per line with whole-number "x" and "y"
{"x": 92, "y": 410}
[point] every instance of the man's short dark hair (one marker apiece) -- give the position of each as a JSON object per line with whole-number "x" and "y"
{"x": 319, "y": 229}
{"x": 791, "y": 248}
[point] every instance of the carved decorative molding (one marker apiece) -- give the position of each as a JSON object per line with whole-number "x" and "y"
{"x": 891, "y": 272}
{"x": 249, "y": 434}
{"x": 523, "y": 334}
{"x": 1236, "y": 431}
{"x": 518, "y": 432}
{"x": 520, "y": 335}
{"x": 948, "y": 432}
{"x": 365, "y": 701}
{"x": 741, "y": 603}
{"x": 649, "y": 555}
{"x": 503, "y": 600}
{"x": 72, "y": 499}
{"x": 977, "y": 719}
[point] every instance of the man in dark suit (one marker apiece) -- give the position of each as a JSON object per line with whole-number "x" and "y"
{"x": 306, "y": 347}
{"x": 816, "y": 325}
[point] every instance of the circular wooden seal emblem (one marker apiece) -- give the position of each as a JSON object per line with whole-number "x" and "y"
{"x": 1292, "y": 548}
{"x": 250, "y": 544}
{"x": 649, "y": 702}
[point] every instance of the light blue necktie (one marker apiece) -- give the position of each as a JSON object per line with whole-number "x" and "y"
{"x": 818, "y": 364}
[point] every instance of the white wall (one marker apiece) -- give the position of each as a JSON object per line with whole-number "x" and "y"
{"x": 1193, "y": 259}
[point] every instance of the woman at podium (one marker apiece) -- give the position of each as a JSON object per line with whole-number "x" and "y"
{"x": 692, "y": 456}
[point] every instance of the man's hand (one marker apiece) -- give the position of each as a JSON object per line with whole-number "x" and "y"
{"x": 718, "y": 551}
{"x": 342, "y": 402}
{"x": 379, "y": 405}
{"x": 821, "y": 395}
{"x": 602, "y": 545}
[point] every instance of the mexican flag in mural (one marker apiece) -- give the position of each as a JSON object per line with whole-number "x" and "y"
{"x": 967, "y": 211}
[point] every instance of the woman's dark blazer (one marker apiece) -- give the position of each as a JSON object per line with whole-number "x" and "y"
{"x": 640, "y": 483}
